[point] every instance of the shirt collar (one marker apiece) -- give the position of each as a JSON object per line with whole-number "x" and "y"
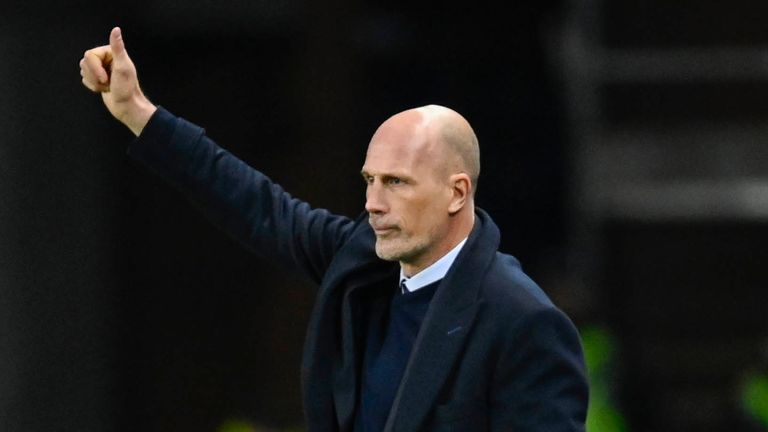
{"x": 434, "y": 272}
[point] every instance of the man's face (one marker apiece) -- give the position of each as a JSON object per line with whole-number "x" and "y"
{"x": 407, "y": 196}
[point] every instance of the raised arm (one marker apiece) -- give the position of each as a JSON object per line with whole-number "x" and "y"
{"x": 237, "y": 198}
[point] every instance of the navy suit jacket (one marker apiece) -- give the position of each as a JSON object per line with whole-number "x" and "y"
{"x": 493, "y": 352}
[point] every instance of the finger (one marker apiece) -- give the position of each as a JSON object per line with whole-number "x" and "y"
{"x": 95, "y": 60}
{"x": 116, "y": 43}
{"x": 87, "y": 72}
{"x": 88, "y": 84}
{"x": 94, "y": 87}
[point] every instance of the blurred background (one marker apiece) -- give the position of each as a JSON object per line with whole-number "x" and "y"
{"x": 624, "y": 159}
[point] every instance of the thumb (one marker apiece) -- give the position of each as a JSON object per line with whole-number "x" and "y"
{"x": 116, "y": 43}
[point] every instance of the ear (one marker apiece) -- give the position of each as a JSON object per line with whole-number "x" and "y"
{"x": 461, "y": 186}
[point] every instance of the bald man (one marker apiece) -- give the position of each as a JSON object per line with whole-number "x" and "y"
{"x": 420, "y": 324}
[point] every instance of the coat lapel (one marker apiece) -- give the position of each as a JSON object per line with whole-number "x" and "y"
{"x": 343, "y": 321}
{"x": 444, "y": 331}
{"x": 333, "y": 350}
{"x": 346, "y": 386}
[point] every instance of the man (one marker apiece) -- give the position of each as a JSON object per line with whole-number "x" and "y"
{"x": 420, "y": 324}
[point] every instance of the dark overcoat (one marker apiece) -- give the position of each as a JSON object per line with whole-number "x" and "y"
{"x": 493, "y": 352}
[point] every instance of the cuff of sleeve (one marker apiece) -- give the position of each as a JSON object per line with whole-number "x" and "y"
{"x": 167, "y": 145}
{"x": 158, "y": 131}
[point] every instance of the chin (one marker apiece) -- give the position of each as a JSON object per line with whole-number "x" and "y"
{"x": 389, "y": 250}
{"x": 386, "y": 254}
{"x": 395, "y": 251}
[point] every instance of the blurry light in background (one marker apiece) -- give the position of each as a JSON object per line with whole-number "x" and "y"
{"x": 754, "y": 397}
{"x": 240, "y": 425}
{"x": 600, "y": 356}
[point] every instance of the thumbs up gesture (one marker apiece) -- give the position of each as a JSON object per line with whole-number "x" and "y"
{"x": 108, "y": 70}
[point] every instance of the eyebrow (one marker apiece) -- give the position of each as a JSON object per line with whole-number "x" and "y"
{"x": 365, "y": 174}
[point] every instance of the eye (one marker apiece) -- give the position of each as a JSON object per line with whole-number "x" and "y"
{"x": 394, "y": 181}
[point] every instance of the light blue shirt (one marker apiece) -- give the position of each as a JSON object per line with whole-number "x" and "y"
{"x": 434, "y": 272}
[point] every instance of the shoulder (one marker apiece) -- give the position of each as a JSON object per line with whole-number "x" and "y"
{"x": 525, "y": 323}
{"x": 358, "y": 248}
{"x": 506, "y": 285}
{"x": 361, "y": 234}
{"x": 518, "y": 305}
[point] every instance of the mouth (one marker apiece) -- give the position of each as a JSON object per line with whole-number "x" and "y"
{"x": 382, "y": 230}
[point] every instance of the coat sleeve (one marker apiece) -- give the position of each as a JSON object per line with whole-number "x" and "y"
{"x": 240, "y": 200}
{"x": 539, "y": 382}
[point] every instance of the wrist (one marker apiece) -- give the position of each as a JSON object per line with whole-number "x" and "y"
{"x": 138, "y": 113}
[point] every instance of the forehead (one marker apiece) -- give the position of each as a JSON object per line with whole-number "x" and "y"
{"x": 401, "y": 143}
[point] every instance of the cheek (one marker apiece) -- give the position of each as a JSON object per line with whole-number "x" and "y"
{"x": 421, "y": 217}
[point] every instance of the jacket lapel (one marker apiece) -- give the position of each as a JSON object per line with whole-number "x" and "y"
{"x": 444, "y": 331}
{"x": 331, "y": 351}
{"x": 339, "y": 323}
{"x": 329, "y": 374}
{"x": 347, "y": 373}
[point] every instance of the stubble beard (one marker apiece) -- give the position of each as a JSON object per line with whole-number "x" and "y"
{"x": 398, "y": 249}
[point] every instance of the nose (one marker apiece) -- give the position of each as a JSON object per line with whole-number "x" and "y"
{"x": 375, "y": 202}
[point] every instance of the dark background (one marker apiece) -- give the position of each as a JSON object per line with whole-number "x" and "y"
{"x": 122, "y": 309}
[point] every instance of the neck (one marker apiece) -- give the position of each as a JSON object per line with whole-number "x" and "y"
{"x": 459, "y": 229}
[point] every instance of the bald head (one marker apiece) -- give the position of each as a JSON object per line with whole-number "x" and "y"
{"x": 444, "y": 139}
{"x": 453, "y": 132}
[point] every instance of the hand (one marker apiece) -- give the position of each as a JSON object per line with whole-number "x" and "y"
{"x": 108, "y": 70}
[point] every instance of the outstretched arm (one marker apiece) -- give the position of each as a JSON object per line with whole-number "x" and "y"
{"x": 240, "y": 200}
{"x": 109, "y": 70}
